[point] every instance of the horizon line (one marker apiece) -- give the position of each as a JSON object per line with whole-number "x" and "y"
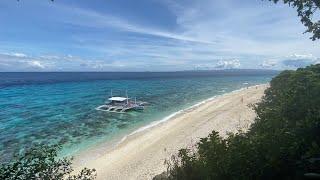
{"x": 138, "y": 71}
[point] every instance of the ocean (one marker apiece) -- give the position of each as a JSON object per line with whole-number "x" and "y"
{"x": 60, "y": 107}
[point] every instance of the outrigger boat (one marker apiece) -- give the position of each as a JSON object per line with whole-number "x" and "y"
{"x": 120, "y": 104}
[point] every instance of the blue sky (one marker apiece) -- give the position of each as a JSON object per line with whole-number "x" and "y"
{"x": 151, "y": 35}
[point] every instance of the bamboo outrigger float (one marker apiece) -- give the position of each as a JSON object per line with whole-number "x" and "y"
{"x": 120, "y": 104}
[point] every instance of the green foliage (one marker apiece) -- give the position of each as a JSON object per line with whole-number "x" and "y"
{"x": 282, "y": 143}
{"x": 42, "y": 163}
{"x": 306, "y": 11}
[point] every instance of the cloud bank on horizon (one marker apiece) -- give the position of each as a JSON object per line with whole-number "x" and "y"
{"x": 151, "y": 35}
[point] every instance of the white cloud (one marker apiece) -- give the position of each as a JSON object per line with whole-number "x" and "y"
{"x": 50, "y": 57}
{"x": 99, "y": 20}
{"x": 302, "y": 56}
{"x": 290, "y": 62}
{"x": 4, "y": 64}
{"x": 221, "y": 64}
{"x": 36, "y": 64}
{"x": 219, "y": 28}
{"x": 254, "y": 28}
{"x": 200, "y": 31}
{"x": 19, "y": 55}
{"x": 14, "y": 54}
{"x": 300, "y": 60}
{"x": 22, "y": 62}
{"x": 268, "y": 64}
{"x": 228, "y": 64}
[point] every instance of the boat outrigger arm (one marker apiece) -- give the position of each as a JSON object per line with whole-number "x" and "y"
{"x": 120, "y": 104}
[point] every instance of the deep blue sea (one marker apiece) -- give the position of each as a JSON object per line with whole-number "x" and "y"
{"x": 60, "y": 107}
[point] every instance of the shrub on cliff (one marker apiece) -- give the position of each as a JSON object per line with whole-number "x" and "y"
{"x": 42, "y": 163}
{"x": 283, "y": 142}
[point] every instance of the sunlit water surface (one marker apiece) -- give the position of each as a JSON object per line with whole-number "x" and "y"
{"x": 60, "y": 108}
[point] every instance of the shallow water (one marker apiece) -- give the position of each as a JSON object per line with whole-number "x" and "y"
{"x": 54, "y": 109}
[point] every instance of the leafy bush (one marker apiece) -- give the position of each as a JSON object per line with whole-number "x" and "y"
{"x": 282, "y": 143}
{"x": 42, "y": 163}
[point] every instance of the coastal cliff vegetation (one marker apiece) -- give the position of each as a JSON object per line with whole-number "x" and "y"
{"x": 41, "y": 162}
{"x": 282, "y": 143}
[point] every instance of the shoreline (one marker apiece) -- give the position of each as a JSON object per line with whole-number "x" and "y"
{"x": 177, "y": 113}
{"x": 109, "y": 146}
{"x": 139, "y": 136}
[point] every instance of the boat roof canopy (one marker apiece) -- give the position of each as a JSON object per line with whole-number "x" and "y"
{"x": 118, "y": 99}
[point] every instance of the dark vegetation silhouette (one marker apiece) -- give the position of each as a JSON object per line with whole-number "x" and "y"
{"x": 308, "y": 12}
{"x": 282, "y": 143}
{"x": 41, "y": 163}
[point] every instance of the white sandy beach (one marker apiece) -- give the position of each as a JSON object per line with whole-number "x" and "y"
{"x": 142, "y": 155}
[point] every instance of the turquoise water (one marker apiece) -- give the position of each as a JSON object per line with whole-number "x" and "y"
{"x": 50, "y": 111}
